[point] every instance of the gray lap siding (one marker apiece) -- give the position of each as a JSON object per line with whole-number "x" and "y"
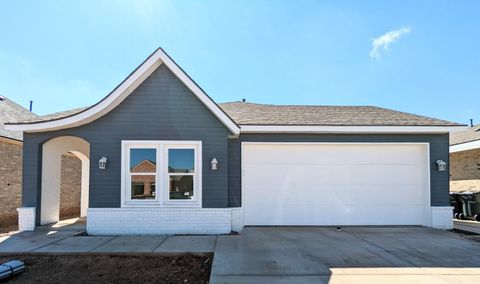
{"x": 161, "y": 108}
{"x": 439, "y": 181}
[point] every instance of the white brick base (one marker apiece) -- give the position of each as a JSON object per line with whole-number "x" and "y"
{"x": 169, "y": 221}
{"x": 442, "y": 217}
{"x": 159, "y": 221}
{"x": 26, "y": 218}
{"x": 237, "y": 219}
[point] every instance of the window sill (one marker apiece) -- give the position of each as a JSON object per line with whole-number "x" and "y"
{"x": 182, "y": 204}
{"x": 157, "y": 204}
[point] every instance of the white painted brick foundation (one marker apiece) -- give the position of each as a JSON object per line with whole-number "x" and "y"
{"x": 158, "y": 221}
{"x": 169, "y": 221}
{"x": 442, "y": 217}
{"x": 26, "y": 218}
{"x": 237, "y": 219}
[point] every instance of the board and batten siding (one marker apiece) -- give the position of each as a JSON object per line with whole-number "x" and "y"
{"x": 161, "y": 108}
{"x": 439, "y": 181}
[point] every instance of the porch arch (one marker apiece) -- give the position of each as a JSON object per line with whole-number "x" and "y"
{"x": 52, "y": 151}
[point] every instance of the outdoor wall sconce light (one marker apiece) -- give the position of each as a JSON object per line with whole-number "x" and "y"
{"x": 102, "y": 163}
{"x": 441, "y": 165}
{"x": 214, "y": 164}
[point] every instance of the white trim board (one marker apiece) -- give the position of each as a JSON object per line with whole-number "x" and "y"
{"x": 348, "y": 129}
{"x": 123, "y": 91}
{"x": 465, "y": 146}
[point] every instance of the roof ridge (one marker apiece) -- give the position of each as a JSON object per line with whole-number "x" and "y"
{"x": 293, "y": 105}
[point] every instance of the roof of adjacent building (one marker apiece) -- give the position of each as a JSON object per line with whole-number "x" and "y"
{"x": 51, "y": 116}
{"x": 246, "y": 113}
{"x": 471, "y": 134}
{"x": 11, "y": 111}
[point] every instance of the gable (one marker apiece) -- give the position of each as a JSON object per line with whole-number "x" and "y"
{"x": 162, "y": 106}
{"x": 121, "y": 92}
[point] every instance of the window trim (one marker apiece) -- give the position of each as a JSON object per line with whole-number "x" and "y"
{"x": 161, "y": 186}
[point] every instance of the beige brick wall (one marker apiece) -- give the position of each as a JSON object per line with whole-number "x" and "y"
{"x": 11, "y": 183}
{"x": 70, "y": 189}
{"x": 465, "y": 170}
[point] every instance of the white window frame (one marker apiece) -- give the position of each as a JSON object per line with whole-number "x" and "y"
{"x": 162, "y": 176}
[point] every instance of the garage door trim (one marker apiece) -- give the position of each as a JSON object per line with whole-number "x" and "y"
{"x": 428, "y": 213}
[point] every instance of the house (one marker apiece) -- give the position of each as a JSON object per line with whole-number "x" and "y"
{"x": 220, "y": 167}
{"x": 11, "y": 168}
{"x": 465, "y": 160}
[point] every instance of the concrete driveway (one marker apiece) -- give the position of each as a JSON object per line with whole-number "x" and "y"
{"x": 352, "y": 255}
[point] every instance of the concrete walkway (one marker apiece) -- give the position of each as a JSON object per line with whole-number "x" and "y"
{"x": 67, "y": 237}
{"x": 352, "y": 255}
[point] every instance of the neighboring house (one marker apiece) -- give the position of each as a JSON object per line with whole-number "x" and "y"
{"x": 11, "y": 168}
{"x": 465, "y": 160}
{"x": 143, "y": 179}
{"x": 219, "y": 167}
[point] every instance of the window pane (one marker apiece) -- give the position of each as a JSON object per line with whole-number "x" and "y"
{"x": 143, "y": 187}
{"x": 181, "y": 160}
{"x": 143, "y": 160}
{"x": 181, "y": 187}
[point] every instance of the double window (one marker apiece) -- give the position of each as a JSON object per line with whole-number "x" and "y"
{"x": 161, "y": 173}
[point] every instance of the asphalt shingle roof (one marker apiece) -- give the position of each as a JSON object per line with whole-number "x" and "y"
{"x": 471, "y": 134}
{"x": 51, "y": 116}
{"x": 245, "y": 113}
{"x": 11, "y": 111}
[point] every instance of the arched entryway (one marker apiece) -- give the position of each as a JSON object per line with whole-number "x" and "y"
{"x": 52, "y": 152}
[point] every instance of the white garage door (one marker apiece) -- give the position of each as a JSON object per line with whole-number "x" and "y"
{"x": 335, "y": 184}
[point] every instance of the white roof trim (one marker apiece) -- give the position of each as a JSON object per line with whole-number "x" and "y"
{"x": 123, "y": 91}
{"x": 348, "y": 129}
{"x": 465, "y": 146}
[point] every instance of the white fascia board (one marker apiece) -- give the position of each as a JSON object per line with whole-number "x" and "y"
{"x": 349, "y": 129}
{"x": 123, "y": 91}
{"x": 465, "y": 146}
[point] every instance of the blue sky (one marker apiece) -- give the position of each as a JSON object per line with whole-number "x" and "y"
{"x": 68, "y": 54}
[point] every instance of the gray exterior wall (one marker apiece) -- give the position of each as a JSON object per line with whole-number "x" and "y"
{"x": 161, "y": 108}
{"x": 439, "y": 181}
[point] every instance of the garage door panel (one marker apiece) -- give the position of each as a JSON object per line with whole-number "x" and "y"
{"x": 335, "y": 174}
{"x": 338, "y": 194}
{"x": 393, "y": 195}
{"x": 333, "y": 215}
{"x": 336, "y": 154}
{"x": 334, "y": 184}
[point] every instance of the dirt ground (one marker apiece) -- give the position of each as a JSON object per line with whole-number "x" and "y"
{"x": 112, "y": 269}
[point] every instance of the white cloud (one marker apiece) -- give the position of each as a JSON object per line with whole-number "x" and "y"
{"x": 384, "y": 41}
